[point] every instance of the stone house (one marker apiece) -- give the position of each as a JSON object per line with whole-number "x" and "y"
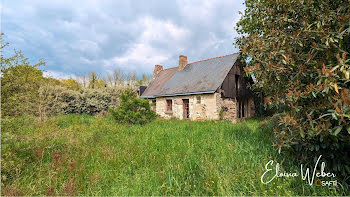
{"x": 209, "y": 89}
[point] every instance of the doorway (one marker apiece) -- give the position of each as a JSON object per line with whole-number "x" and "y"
{"x": 186, "y": 108}
{"x": 242, "y": 106}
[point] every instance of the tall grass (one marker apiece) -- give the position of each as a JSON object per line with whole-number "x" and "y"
{"x": 86, "y": 155}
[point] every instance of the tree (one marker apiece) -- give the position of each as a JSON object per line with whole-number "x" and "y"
{"x": 19, "y": 87}
{"x": 145, "y": 79}
{"x": 96, "y": 82}
{"x": 101, "y": 83}
{"x": 116, "y": 78}
{"x": 52, "y": 81}
{"x": 20, "y": 82}
{"x": 299, "y": 53}
{"x": 110, "y": 80}
{"x": 92, "y": 80}
{"x": 83, "y": 79}
{"x": 71, "y": 84}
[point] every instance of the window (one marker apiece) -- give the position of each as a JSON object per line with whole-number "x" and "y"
{"x": 237, "y": 84}
{"x": 169, "y": 105}
{"x": 154, "y": 104}
{"x": 199, "y": 99}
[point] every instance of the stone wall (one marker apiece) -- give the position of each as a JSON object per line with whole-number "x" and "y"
{"x": 226, "y": 107}
{"x": 204, "y": 107}
{"x": 201, "y": 107}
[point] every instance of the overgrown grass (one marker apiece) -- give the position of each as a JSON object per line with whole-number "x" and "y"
{"x": 86, "y": 155}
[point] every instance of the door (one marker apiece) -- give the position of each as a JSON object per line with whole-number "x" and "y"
{"x": 186, "y": 108}
{"x": 241, "y": 108}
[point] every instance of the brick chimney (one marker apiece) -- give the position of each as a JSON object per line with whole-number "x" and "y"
{"x": 157, "y": 69}
{"x": 182, "y": 62}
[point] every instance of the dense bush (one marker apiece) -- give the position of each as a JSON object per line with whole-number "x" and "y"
{"x": 20, "y": 82}
{"x": 133, "y": 110}
{"x": 59, "y": 100}
{"x": 299, "y": 53}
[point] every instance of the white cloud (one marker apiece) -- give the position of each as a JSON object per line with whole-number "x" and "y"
{"x": 86, "y": 46}
{"x": 89, "y": 35}
{"x": 162, "y": 31}
{"x": 142, "y": 54}
{"x": 198, "y": 11}
{"x": 58, "y": 75}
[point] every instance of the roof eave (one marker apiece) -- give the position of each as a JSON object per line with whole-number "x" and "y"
{"x": 147, "y": 97}
{"x": 184, "y": 94}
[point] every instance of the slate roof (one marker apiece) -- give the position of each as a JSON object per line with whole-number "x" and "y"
{"x": 156, "y": 85}
{"x": 204, "y": 76}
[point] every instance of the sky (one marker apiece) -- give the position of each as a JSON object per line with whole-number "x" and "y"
{"x": 79, "y": 36}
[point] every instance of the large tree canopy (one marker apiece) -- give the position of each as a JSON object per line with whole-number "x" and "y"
{"x": 298, "y": 50}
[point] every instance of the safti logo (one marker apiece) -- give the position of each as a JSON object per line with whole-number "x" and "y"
{"x": 312, "y": 179}
{"x": 319, "y": 182}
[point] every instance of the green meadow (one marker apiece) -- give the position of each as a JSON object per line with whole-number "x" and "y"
{"x": 91, "y": 155}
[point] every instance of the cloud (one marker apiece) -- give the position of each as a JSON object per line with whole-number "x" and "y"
{"x": 86, "y": 47}
{"x": 198, "y": 11}
{"x": 153, "y": 46}
{"x": 88, "y": 35}
{"x": 138, "y": 57}
{"x": 57, "y": 74}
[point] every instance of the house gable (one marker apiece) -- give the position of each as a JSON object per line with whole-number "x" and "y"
{"x": 235, "y": 83}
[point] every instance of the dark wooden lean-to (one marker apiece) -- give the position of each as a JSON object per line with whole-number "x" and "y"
{"x": 235, "y": 83}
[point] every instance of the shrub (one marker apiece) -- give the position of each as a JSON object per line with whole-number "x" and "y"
{"x": 298, "y": 52}
{"x": 19, "y": 89}
{"x": 133, "y": 110}
{"x": 59, "y": 100}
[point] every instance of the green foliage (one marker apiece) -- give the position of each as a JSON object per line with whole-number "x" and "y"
{"x": 52, "y": 81}
{"x": 222, "y": 113}
{"x": 298, "y": 52}
{"x": 71, "y": 84}
{"x": 11, "y": 167}
{"x": 20, "y": 82}
{"x": 133, "y": 110}
{"x": 59, "y": 100}
{"x": 85, "y": 155}
{"x": 19, "y": 90}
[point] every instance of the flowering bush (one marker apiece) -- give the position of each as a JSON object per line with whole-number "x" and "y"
{"x": 59, "y": 100}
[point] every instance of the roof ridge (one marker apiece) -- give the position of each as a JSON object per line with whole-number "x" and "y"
{"x": 203, "y": 60}
{"x": 170, "y": 68}
{"x": 212, "y": 58}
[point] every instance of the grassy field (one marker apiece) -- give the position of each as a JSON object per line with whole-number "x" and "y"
{"x": 87, "y": 155}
